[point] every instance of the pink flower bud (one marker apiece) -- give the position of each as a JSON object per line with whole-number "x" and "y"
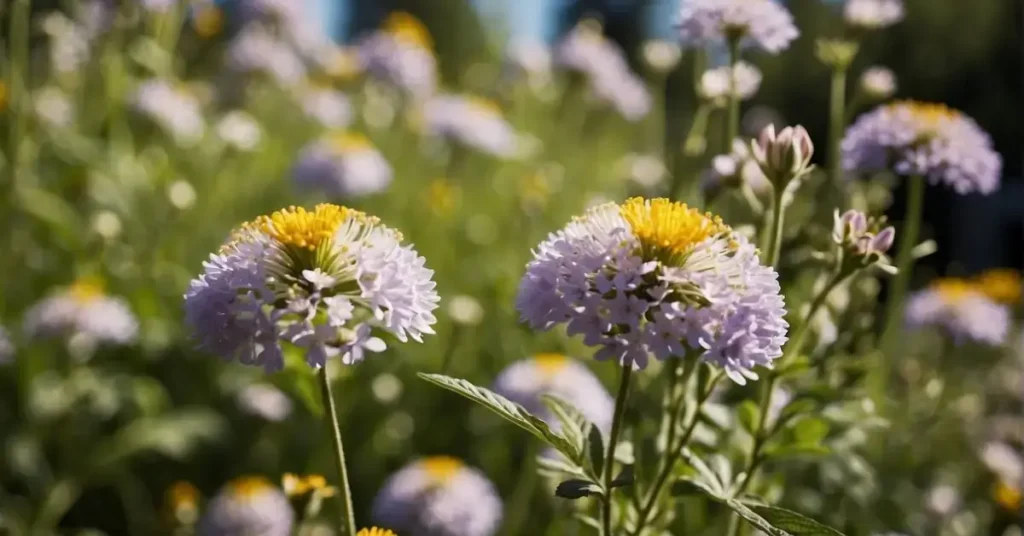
{"x": 883, "y": 240}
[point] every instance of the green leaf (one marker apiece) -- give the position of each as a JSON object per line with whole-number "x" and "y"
{"x": 595, "y": 448}
{"x": 707, "y": 476}
{"x": 793, "y": 522}
{"x": 749, "y": 414}
{"x": 754, "y": 519}
{"x": 810, "y": 431}
{"x": 624, "y": 478}
{"x": 796, "y": 408}
{"x": 692, "y": 486}
{"x": 577, "y": 489}
{"x": 174, "y": 435}
{"x": 507, "y": 410}
{"x": 575, "y": 427}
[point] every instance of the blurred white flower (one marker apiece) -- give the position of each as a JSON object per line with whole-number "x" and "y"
{"x": 716, "y": 84}
{"x": 878, "y": 83}
{"x": 386, "y": 388}
{"x": 661, "y": 56}
{"x": 473, "y": 122}
{"x": 329, "y": 107}
{"x": 54, "y": 108}
{"x": 734, "y": 169}
{"x": 604, "y": 65}
{"x": 961, "y": 310}
{"x": 83, "y": 309}
{"x": 525, "y": 381}
{"x": 344, "y": 164}
{"x": 646, "y": 170}
{"x": 401, "y": 54}
{"x": 6, "y": 347}
{"x": 465, "y": 310}
{"x": 531, "y": 60}
{"x": 171, "y": 107}
{"x": 70, "y": 43}
{"x": 438, "y": 496}
{"x": 181, "y": 194}
{"x": 265, "y": 401}
{"x": 765, "y": 24}
{"x": 625, "y": 92}
{"x": 248, "y": 505}
{"x": 1004, "y": 461}
{"x": 873, "y": 14}
{"x": 255, "y": 50}
{"x": 106, "y": 224}
{"x": 239, "y": 130}
{"x": 158, "y": 6}
{"x": 943, "y": 499}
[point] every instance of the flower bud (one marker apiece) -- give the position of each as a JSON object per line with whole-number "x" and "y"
{"x": 883, "y": 240}
{"x": 785, "y": 156}
{"x": 862, "y": 240}
{"x": 878, "y": 83}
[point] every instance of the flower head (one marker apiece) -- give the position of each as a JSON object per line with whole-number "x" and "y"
{"x": 1001, "y": 284}
{"x": 735, "y": 169}
{"x": 1006, "y": 462}
{"x": 783, "y": 157}
{"x": 248, "y": 505}
{"x": 661, "y": 56}
{"x": 657, "y": 277}
{"x": 764, "y": 24}
{"x": 83, "y": 310}
{"x": 872, "y": 14}
{"x": 716, "y": 84}
{"x": 256, "y": 51}
{"x": 342, "y": 164}
{"x": 401, "y": 54}
{"x": 1008, "y": 495}
{"x": 328, "y": 107}
{"x": 181, "y": 503}
{"x": 327, "y": 280}
{"x": 913, "y": 138}
{"x": 472, "y": 121}
{"x": 438, "y": 496}
{"x": 172, "y": 108}
{"x": 298, "y": 486}
{"x": 961, "y": 309}
{"x": 523, "y": 382}
{"x": 878, "y": 83}
{"x": 264, "y": 401}
{"x": 374, "y": 531}
{"x": 586, "y": 51}
{"x": 239, "y": 130}
{"x": 863, "y": 239}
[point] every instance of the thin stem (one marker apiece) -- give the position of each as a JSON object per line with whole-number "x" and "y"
{"x": 774, "y": 237}
{"x": 17, "y": 86}
{"x": 696, "y": 139}
{"x": 675, "y": 451}
{"x": 837, "y": 122}
{"x": 904, "y": 263}
{"x": 613, "y": 439}
{"x": 346, "y": 515}
{"x": 733, "y": 126}
{"x": 519, "y": 505}
{"x": 59, "y": 499}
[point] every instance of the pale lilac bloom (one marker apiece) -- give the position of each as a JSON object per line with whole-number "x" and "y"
{"x": 473, "y": 122}
{"x": 609, "y": 277}
{"x": 438, "y": 496}
{"x": 264, "y": 401}
{"x": 83, "y": 310}
{"x": 158, "y": 6}
{"x": 247, "y": 505}
{"x": 342, "y": 165}
{"x": 400, "y": 62}
{"x": 879, "y": 83}
{"x": 173, "y": 108}
{"x": 763, "y": 24}
{"x": 873, "y": 14}
{"x": 911, "y": 138}
{"x": 964, "y": 313}
{"x": 525, "y": 381}
{"x": 328, "y": 107}
{"x": 255, "y": 50}
{"x": 716, "y": 85}
{"x": 610, "y": 79}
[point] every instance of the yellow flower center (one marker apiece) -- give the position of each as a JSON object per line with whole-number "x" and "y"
{"x": 348, "y": 142}
{"x": 182, "y": 494}
{"x": 930, "y": 115}
{"x": 953, "y": 289}
{"x": 484, "y": 106}
{"x": 86, "y": 289}
{"x": 550, "y": 363}
{"x": 208, "y": 21}
{"x": 374, "y": 531}
{"x": 668, "y": 230}
{"x": 1008, "y": 497}
{"x": 297, "y": 486}
{"x": 298, "y": 227}
{"x": 441, "y": 468}
{"x": 247, "y": 487}
{"x": 1002, "y": 285}
{"x": 408, "y": 29}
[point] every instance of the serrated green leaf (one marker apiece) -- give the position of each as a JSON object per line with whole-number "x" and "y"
{"x": 507, "y": 410}
{"x": 754, "y": 519}
{"x": 575, "y": 426}
{"x": 577, "y": 489}
{"x": 792, "y": 522}
{"x": 749, "y": 414}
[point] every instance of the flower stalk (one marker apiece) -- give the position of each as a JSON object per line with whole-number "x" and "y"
{"x": 613, "y": 439}
{"x": 346, "y": 514}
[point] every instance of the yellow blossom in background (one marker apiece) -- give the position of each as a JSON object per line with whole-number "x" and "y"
{"x": 298, "y": 486}
{"x": 208, "y": 21}
{"x": 1008, "y": 496}
{"x": 343, "y": 65}
{"x": 408, "y": 29}
{"x": 181, "y": 503}
{"x": 534, "y": 190}
{"x": 1002, "y": 285}
{"x": 443, "y": 196}
{"x": 374, "y": 531}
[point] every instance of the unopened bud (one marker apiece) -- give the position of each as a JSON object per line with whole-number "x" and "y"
{"x": 784, "y": 156}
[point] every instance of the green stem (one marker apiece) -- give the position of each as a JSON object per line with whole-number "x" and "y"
{"x": 696, "y": 139}
{"x": 346, "y": 515}
{"x": 733, "y": 126}
{"x": 904, "y": 263}
{"x": 17, "y": 86}
{"x": 675, "y": 448}
{"x": 774, "y": 237}
{"x": 519, "y": 504}
{"x": 837, "y": 122}
{"x": 613, "y": 439}
{"x": 59, "y": 499}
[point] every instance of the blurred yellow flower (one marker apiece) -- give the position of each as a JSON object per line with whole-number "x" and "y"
{"x": 1008, "y": 496}
{"x": 298, "y": 486}
{"x": 441, "y": 468}
{"x": 181, "y": 502}
{"x": 408, "y": 29}
{"x": 343, "y": 65}
{"x": 443, "y": 196}
{"x": 374, "y": 531}
{"x": 534, "y": 190}
{"x": 1002, "y": 285}
{"x": 208, "y": 21}
{"x": 86, "y": 289}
